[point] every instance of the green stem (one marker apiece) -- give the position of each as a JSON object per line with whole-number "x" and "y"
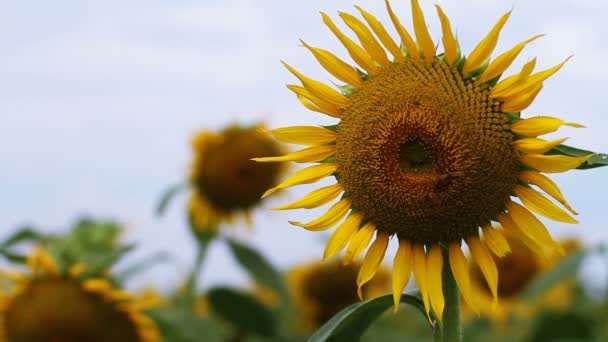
{"x": 203, "y": 245}
{"x": 452, "y": 326}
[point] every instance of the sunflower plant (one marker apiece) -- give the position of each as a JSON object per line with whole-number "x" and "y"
{"x": 431, "y": 150}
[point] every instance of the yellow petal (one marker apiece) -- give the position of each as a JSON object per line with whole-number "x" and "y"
{"x": 329, "y": 219}
{"x": 315, "y": 198}
{"x": 97, "y": 285}
{"x": 355, "y": 51}
{"x": 40, "y": 260}
{"x": 486, "y": 263}
{"x": 367, "y": 39}
{"x": 384, "y": 37}
{"x": 314, "y": 103}
{"x": 320, "y": 90}
{"x": 536, "y": 145}
{"x": 402, "y": 271}
{"x": 342, "y": 235}
{"x": 420, "y": 276}
{"x": 303, "y": 135}
{"x": 547, "y": 185}
{"x": 502, "y": 62}
{"x": 554, "y": 163}
{"x": 335, "y": 66}
{"x": 307, "y": 155}
{"x": 359, "y": 243}
{"x": 513, "y": 80}
{"x": 310, "y": 105}
{"x": 481, "y": 53}
{"x": 307, "y": 175}
{"x": 406, "y": 38}
{"x": 450, "y": 44}
{"x": 495, "y": 241}
{"x": 540, "y": 125}
{"x": 523, "y": 101}
{"x": 530, "y": 83}
{"x": 507, "y": 222}
{"x": 434, "y": 268}
{"x": 541, "y": 205}
{"x": 531, "y": 226}
{"x": 422, "y": 33}
{"x": 372, "y": 261}
{"x": 460, "y": 270}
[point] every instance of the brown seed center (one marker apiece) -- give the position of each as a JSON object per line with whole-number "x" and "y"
{"x": 426, "y": 154}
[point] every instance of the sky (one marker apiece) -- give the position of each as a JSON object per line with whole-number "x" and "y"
{"x": 99, "y": 99}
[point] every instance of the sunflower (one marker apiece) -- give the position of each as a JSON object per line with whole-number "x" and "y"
{"x": 428, "y": 148}
{"x": 50, "y": 306}
{"x": 517, "y": 271}
{"x": 321, "y": 290}
{"x": 224, "y": 180}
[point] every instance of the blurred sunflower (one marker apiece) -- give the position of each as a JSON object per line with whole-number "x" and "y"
{"x": 225, "y": 182}
{"x": 321, "y": 290}
{"x": 429, "y": 148}
{"x": 50, "y": 306}
{"x": 516, "y": 271}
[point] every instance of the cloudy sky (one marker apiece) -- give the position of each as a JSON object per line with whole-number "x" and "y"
{"x": 98, "y": 101}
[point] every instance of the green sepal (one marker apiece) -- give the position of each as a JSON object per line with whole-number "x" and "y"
{"x": 597, "y": 160}
{"x": 331, "y": 127}
{"x": 347, "y": 90}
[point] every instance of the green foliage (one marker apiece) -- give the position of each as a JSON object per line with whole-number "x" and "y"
{"x": 89, "y": 242}
{"x": 182, "y": 325}
{"x": 597, "y": 160}
{"x": 350, "y": 323}
{"x": 243, "y": 311}
{"x": 258, "y": 267}
{"x": 565, "y": 269}
{"x": 167, "y": 196}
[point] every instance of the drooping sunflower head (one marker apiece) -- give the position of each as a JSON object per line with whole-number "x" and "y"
{"x": 429, "y": 149}
{"x": 516, "y": 272}
{"x": 225, "y": 180}
{"x": 321, "y": 289}
{"x": 49, "y": 306}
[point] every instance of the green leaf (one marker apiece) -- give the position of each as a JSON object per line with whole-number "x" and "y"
{"x": 134, "y": 269}
{"x": 597, "y": 160}
{"x": 243, "y": 311}
{"x": 167, "y": 196}
{"x": 23, "y": 234}
{"x": 181, "y": 325}
{"x": 258, "y": 267}
{"x": 100, "y": 262}
{"x": 564, "y": 269}
{"x": 350, "y": 323}
{"x": 13, "y": 257}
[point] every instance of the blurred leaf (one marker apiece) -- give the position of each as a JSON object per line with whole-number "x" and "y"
{"x": 597, "y": 160}
{"x": 243, "y": 311}
{"x": 98, "y": 263}
{"x": 13, "y": 257}
{"x": 181, "y": 325}
{"x": 350, "y": 323}
{"x": 167, "y": 196}
{"x": 565, "y": 326}
{"x": 23, "y": 234}
{"x": 258, "y": 267}
{"x": 567, "y": 267}
{"x": 142, "y": 265}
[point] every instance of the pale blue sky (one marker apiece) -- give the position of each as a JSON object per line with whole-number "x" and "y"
{"x": 99, "y": 99}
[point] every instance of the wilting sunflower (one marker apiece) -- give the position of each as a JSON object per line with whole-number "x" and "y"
{"x": 320, "y": 290}
{"x": 225, "y": 181}
{"x": 50, "y": 306}
{"x": 517, "y": 271}
{"x": 429, "y": 148}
